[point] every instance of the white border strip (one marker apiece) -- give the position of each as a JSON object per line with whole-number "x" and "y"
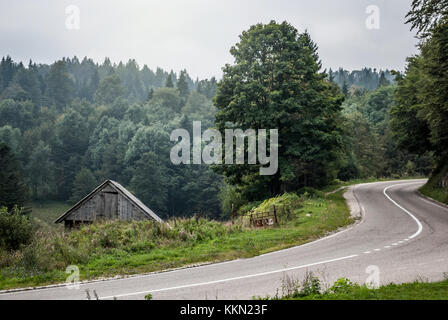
{"x": 229, "y": 279}
{"x": 420, "y": 227}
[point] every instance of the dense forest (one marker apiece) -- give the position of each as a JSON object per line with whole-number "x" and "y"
{"x": 68, "y": 126}
{"x": 73, "y": 124}
{"x": 70, "y": 132}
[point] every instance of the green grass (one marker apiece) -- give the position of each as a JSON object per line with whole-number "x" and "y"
{"x": 407, "y": 291}
{"x": 433, "y": 187}
{"x": 311, "y": 288}
{"x": 439, "y": 194}
{"x": 116, "y": 248}
{"x": 45, "y": 213}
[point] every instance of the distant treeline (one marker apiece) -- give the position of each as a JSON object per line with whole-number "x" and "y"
{"x": 39, "y": 82}
{"x": 366, "y": 78}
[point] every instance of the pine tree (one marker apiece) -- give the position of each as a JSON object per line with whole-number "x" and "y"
{"x": 426, "y": 14}
{"x": 28, "y": 80}
{"x": 383, "y": 81}
{"x": 12, "y": 188}
{"x": 169, "y": 82}
{"x": 94, "y": 83}
{"x": 182, "y": 85}
{"x": 150, "y": 94}
{"x": 331, "y": 75}
{"x": 420, "y": 114}
{"x": 345, "y": 89}
{"x": 7, "y": 70}
{"x": 59, "y": 87}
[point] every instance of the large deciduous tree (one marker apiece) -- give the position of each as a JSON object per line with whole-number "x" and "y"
{"x": 276, "y": 83}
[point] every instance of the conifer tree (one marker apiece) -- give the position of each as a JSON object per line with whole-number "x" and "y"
{"x": 12, "y": 188}
{"x": 169, "y": 82}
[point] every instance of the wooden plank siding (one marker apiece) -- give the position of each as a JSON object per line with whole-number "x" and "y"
{"x": 109, "y": 201}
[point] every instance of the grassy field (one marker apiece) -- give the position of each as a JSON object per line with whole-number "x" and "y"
{"x": 344, "y": 289}
{"x": 116, "y": 248}
{"x": 45, "y": 213}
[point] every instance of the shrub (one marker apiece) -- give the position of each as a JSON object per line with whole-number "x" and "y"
{"x": 249, "y": 207}
{"x": 342, "y": 286}
{"x": 308, "y": 191}
{"x": 310, "y": 285}
{"x": 15, "y": 229}
{"x": 286, "y": 205}
{"x": 30, "y": 259}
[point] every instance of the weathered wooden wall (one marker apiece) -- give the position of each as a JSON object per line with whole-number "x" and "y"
{"x": 107, "y": 204}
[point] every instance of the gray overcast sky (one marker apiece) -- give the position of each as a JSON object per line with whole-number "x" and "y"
{"x": 197, "y": 34}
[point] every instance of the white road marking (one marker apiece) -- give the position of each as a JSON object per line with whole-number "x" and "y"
{"x": 229, "y": 279}
{"x": 309, "y": 243}
{"x": 387, "y": 247}
{"x": 367, "y": 252}
{"x": 420, "y": 227}
{"x": 433, "y": 203}
{"x": 377, "y": 249}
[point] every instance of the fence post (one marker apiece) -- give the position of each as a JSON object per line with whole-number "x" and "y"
{"x": 232, "y": 213}
{"x": 275, "y": 216}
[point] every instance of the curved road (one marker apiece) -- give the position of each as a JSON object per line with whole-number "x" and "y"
{"x": 402, "y": 237}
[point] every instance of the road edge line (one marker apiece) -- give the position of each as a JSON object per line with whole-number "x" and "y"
{"x": 419, "y": 224}
{"x": 230, "y": 279}
{"x": 433, "y": 201}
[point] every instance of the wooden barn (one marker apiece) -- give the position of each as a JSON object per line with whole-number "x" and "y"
{"x": 111, "y": 201}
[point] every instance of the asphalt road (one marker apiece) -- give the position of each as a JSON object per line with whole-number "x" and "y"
{"x": 402, "y": 237}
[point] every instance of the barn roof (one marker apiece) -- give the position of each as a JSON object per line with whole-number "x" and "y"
{"x": 148, "y": 212}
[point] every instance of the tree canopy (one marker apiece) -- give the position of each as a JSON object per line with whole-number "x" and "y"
{"x": 276, "y": 83}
